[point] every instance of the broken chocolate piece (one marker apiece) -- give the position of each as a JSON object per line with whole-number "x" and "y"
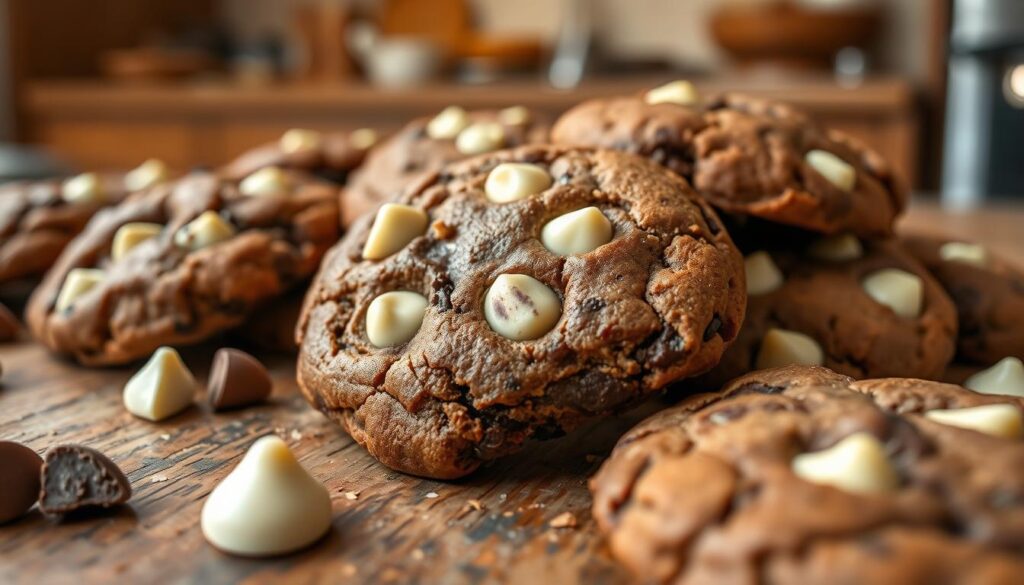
{"x": 19, "y": 479}
{"x": 237, "y": 379}
{"x": 76, "y": 477}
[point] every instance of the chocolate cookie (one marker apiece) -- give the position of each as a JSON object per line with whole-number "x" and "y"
{"x": 988, "y": 293}
{"x": 39, "y": 218}
{"x": 330, "y": 156}
{"x": 862, "y": 308}
{"x": 177, "y": 263}
{"x": 513, "y": 296}
{"x": 801, "y": 475}
{"x": 427, "y": 144}
{"x": 748, "y": 156}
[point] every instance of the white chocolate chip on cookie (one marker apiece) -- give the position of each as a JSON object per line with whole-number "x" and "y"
{"x": 763, "y": 276}
{"x": 130, "y": 235}
{"x": 363, "y": 138}
{"x": 973, "y": 254}
{"x": 447, "y": 124}
{"x": 514, "y": 116}
{"x": 152, "y": 172}
{"x": 300, "y": 140}
{"x": 266, "y": 181}
{"x": 899, "y": 290}
{"x": 394, "y": 227}
{"x": 782, "y": 347}
{"x": 206, "y": 230}
{"x": 521, "y": 307}
{"x": 480, "y": 138}
{"x": 84, "y": 188}
{"x": 510, "y": 182}
{"x": 838, "y": 172}
{"x": 679, "y": 92}
{"x": 393, "y": 318}
{"x": 577, "y": 232}
{"x": 1005, "y": 378}
{"x": 999, "y": 420}
{"x": 78, "y": 282}
{"x": 857, "y": 463}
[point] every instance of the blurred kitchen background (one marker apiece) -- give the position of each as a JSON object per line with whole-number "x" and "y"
{"x": 936, "y": 85}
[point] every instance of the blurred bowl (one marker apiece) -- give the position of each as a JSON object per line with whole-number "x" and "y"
{"x": 790, "y": 35}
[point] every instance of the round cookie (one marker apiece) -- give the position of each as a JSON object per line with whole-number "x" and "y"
{"x": 801, "y": 475}
{"x": 330, "y": 156}
{"x": 36, "y": 222}
{"x": 179, "y": 262}
{"x": 751, "y": 157}
{"x": 413, "y": 154}
{"x": 805, "y": 308}
{"x": 988, "y": 293}
{"x": 491, "y": 338}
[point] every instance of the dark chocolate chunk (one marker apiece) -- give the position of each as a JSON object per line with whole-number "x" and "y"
{"x": 237, "y": 379}
{"x": 19, "y": 479}
{"x": 9, "y": 325}
{"x": 76, "y": 477}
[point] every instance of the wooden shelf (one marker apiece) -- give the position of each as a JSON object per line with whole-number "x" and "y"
{"x": 99, "y": 124}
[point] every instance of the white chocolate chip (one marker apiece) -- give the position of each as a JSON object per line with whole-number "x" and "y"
{"x": 78, "y": 282}
{"x": 577, "y": 232}
{"x": 1005, "y": 378}
{"x": 393, "y": 318}
{"x": 679, "y": 92}
{"x": 300, "y": 140}
{"x": 162, "y": 388}
{"x": 363, "y": 138}
{"x": 858, "y": 464}
{"x": 841, "y": 248}
{"x": 266, "y": 181}
{"x": 998, "y": 420}
{"x": 394, "y": 227}
{"x": 510, "y": 182}
{"x": 838, "y": 172}
{"x": 448, "y": 123}
{"x": 130, "y": 235}
{"x": 899, "y": 290}
{"x": 763, "y": 276}
{"x": 782, "y": 347}
{"x": 514, "y": 116}
{"x": 206, "y": 230}
{"x": 268, "y": 505}
{"x": 521, "y": 307}
{"x": 973, "y": 254}
{"x": 87, "y": 187}
{"x": 152, "y": 172}
{"x": 480, "y": 138}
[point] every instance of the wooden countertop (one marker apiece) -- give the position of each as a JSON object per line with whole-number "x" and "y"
{"x": 397, "y": 529}
{"x": 70, "y": 98}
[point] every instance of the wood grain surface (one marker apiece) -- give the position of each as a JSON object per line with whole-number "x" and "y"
{"x": 491, "y": 527}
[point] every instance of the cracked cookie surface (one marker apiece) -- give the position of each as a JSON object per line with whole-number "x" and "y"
{"x": 859, "y": 336}
{"x": 161, "y": 293}
{"x": 412, "y": 154}
{"x": 746, "y": 156}
{"x": 989, "y": 298}
{"x": 657, "y": 303}
{"x": 705, "y": 492}
{"x": 36, "y": 223}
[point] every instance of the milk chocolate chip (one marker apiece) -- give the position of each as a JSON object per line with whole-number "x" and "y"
{"x": 237, "y": 379}
{"x": 75, "y": 477}
{"x": 19, "y": 479}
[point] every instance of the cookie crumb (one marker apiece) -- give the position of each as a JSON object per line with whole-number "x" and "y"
{"x": 158, "y": 479}
{"x": 431, "y": 495}
{"x": 563, "y": 520}
{"x": 296, "y": 435}
{"x": 165, "y": 437}
{"x": 418, "y": 554}
{"x": 351, "y": 495}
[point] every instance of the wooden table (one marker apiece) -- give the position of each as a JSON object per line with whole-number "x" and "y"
{"x": 388, "y": 527}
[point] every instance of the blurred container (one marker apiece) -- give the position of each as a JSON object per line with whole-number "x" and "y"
{"x": 787, "y": 34}
{"x": 985, "y": 103}
{"x": 395, "y": 61}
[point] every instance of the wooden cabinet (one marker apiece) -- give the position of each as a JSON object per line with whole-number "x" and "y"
{"x": 99, "y": 125}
